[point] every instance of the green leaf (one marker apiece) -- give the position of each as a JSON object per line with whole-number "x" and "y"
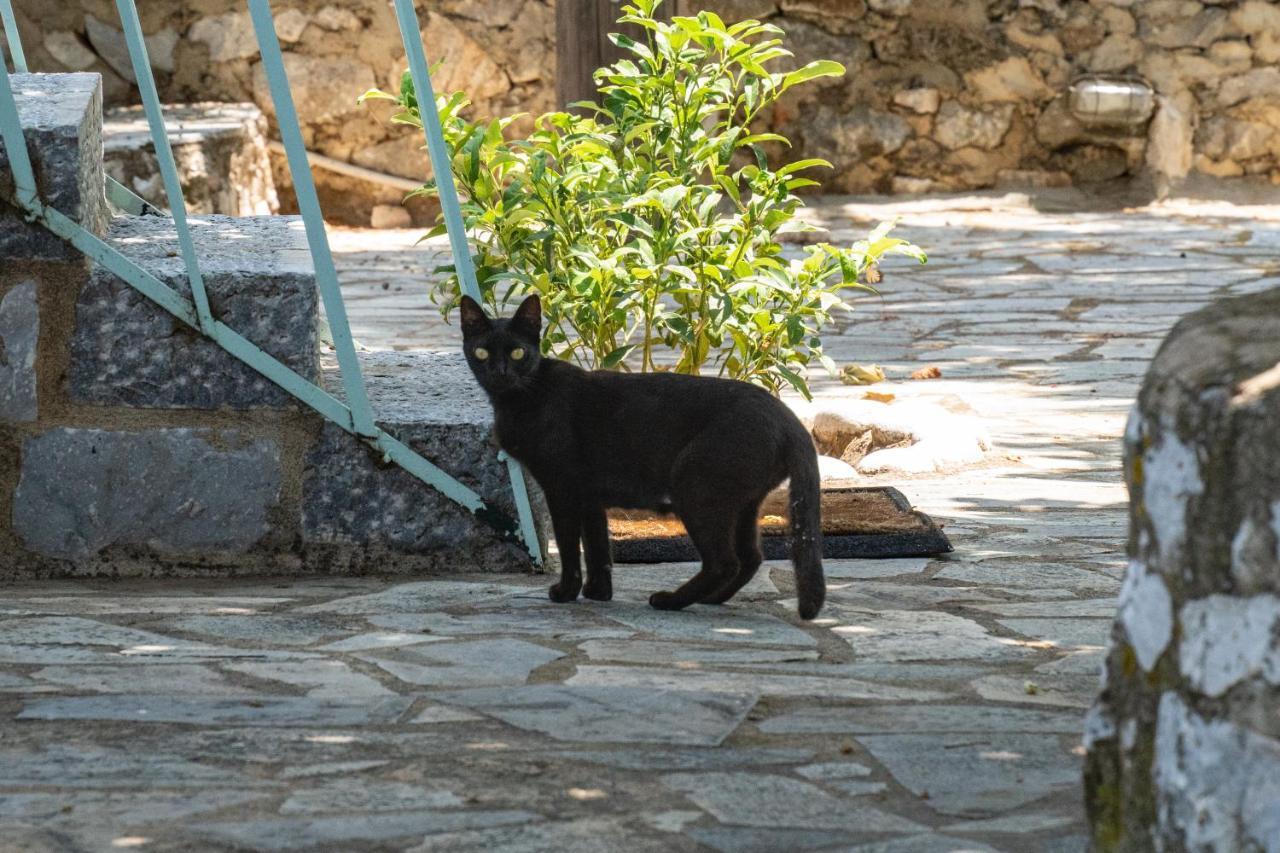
{"x": 812, "y": 71}
{"x": 614, "y": 358}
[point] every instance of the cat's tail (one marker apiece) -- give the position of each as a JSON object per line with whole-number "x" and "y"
{"x": 806, "y": 522}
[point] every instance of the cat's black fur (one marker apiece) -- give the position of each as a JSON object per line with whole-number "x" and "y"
{"x": 709, "y": 449}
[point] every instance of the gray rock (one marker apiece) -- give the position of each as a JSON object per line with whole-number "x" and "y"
{"x": 369, "y": 796}
{"x": 69, "y": 51}
{"x": 1183, "y": 729}
{"x": 766, "y": 800}
{"x": 756, "y": 839}
{"x": 420, "y": 597}
{"x": 322, "y": 679}
{"x": 324, "y": 88}
{"x": 308, "y": 833}
{"x": 110, "y": 44}
{"x": 270, "y": 629}
{"x": 669, "y": 759}
{"x": 653, "y": 678}
{"x": 585, "y": 835}
{"x": 117, "y": 809}
{"x": 227, "y": 37}
{"x": 730, "y": 624}
{"x": 431, "y": 402}
{"x": 906, "y": 635}
{"x": 1064, "y": 633}
{"x": 478, "y": 663}
{"x": 651, "y": 652}
{"x": 611, "y": 714}
{"x": 171, "y": 491}
{"x": 64, "y": 142}
{"x": 902, "y": 719}
{"x": 189, "y": 679}
{"x": 834, "y": 770}
{"x": 859, "y": 132}
{"x": 78, "y": 765}
{"x": 260, "y": 711}
{"x": 959, "y": 126}
{"x": 964, "y": 774}
{"x": 257, "y": 271}
{"x": 19, "y": 332}
{"x": 927, "y": 843}
{"x": 1030, "y": 576}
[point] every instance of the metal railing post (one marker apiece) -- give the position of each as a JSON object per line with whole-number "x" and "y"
{"x": 309, "y": 205}
{"x": 12, "y": 37}
{"x": 164, "y": 156}
{"x": 447, "y": 191}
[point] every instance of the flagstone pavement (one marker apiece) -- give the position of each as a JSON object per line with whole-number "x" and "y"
{"x": 935, "y": 706}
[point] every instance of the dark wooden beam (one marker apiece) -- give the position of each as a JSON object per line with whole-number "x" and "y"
{"x": 582, "y": 43}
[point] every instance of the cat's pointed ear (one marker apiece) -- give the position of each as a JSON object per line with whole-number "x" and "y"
{"x": 474, "y": 320}
{"x": 528, "y": 318}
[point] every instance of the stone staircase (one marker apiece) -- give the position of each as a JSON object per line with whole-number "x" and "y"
{"x": 132, "y": 445}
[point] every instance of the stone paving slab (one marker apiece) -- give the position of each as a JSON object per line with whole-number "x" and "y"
{"x": 936, "y": 705}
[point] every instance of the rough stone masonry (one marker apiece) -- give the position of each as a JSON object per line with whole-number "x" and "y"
{"x": 944, "y": 94}
{"x": 1184, "y": 742}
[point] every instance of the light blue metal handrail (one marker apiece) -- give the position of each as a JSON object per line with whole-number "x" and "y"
{"x": 12, "y": 37}
{"x": 354, "y": 415}
{"x": 309, "y": 206}
{"x": 164, "y": 157}
{"x": 447, "y": 192}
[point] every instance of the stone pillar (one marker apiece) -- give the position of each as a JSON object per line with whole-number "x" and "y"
{"x": 1184, "y": 740}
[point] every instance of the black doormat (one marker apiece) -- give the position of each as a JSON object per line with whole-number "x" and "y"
{"x": 857, "y": 522}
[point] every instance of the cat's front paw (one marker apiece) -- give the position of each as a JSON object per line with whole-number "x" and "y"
{"x": 599, "y": 589}
{"x": 666, "y": 601}
{"x": 562, "y": 593}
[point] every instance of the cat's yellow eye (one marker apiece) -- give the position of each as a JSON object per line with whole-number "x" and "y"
{"x": 481, "y": 353}
{"x": 517, "y": 353}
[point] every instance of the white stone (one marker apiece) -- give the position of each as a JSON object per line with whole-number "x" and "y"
{"x": 1226, "y": 640}
{"x": 924, "y": 101}
{"x": 1171, "y": 135}
{"x": 1098, "y": 725}
{"x": 160, "y": 48}
{"x": 228, "y": 36}
{"x": 110, "y": 45}
{"x": 1014, "y": 80}
{"x": 1170, "y": 475}
{"x": 766, "y": 800}
{"x": 1146, "y": 611}
{"x": 335, "y": 18}
{"x": 1217, "y": 784}
{"x": 69, "y": 51}
{"x": 290, "y": 25}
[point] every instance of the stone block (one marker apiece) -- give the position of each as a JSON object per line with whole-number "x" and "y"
{"x": 170, "y": 491}
{"x": 61, "y": 118}
{"x": 257, "y": 271}
{"x": 220, "y": 149}
{"x": 19, "y": 334}
{"x": 1183, "y": 745}
{"x": 353, "y": 502}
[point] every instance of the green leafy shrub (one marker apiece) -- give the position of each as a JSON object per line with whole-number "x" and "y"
{"x": 653, "y": 219}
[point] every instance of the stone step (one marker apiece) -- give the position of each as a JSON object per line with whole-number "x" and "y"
{"x": 61, "y": 117}
{"x": 363, "y": 511}
{"x": 258, "y": 273}
{"x": 220, "y": 151}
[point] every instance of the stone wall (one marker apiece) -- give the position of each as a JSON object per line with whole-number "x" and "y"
{"x": 941, "y": 94}
{"x": 1184, "y": 742}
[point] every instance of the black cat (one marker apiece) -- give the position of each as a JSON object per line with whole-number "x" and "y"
{"x": 710, "y": 449}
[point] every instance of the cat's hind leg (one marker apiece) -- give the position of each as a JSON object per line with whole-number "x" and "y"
{"x": 712, "y": 534}
{"x": 599, "y": 559}
{"x": 746, "y": 542}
